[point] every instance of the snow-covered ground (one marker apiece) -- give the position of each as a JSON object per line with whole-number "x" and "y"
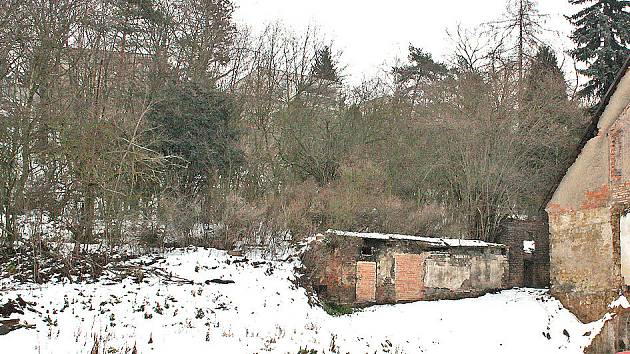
{"x": 263, "y": 311}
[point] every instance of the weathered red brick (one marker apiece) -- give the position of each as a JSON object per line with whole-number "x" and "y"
{"x": 408, "y": 280}
{"x": 366, "y": 282}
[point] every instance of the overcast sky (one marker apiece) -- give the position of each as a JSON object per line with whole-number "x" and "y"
{"x": 372, "y": 33}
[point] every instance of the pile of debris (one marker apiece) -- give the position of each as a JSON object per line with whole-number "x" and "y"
{"x": 10, "y": 308}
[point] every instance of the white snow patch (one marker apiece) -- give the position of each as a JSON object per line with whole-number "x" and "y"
{"x": 263, "y": 311}
{"x": 529, "y": 246}
{"x": 620, "y": 302}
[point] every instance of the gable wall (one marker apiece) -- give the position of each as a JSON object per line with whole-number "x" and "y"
{"x": 584, "y": 215}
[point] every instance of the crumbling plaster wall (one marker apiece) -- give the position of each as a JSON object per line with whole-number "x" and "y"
{"x": 584, "y": 274}
{"x": 332, "y": 264}
{"x": 429, "y": 274}
{"x": 588, "y": 177}
{"x": 463, "y": 274}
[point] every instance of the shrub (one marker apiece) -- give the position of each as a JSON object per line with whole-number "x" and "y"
{"x": 335, "y": 309}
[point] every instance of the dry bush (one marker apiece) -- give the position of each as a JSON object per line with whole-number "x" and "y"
{"x": 238, "y": 220}
{"x": 362, "y": 201}
{"x": 288, "y": 215}
{"x": 181, "y": 221}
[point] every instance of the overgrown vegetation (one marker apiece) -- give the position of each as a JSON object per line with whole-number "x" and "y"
{"x": 334, "y": 309}
{"x": 159, "y": 122}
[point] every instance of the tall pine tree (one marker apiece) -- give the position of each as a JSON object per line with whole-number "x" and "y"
{"x": 325, "y": 67}
{"x": 544, "y": 77}
{"x": 602, "y": 36}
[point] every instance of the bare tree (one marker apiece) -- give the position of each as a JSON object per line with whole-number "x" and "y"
{"x": 519, "y": 30}
{"x": 469, "y": 48}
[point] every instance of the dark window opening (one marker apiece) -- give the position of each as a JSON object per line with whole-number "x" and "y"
{"x": 528, "y": 274}
{"x": 366, "y": 251}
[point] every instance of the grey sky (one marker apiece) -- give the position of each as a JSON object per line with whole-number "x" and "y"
{"x": 372, "y": 33}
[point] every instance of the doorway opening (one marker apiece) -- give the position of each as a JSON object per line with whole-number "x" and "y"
{"x": 528, "y": 273}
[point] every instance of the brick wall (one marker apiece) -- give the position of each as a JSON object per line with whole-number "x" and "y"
{"x": 615, "y": 161}
{"x": 513, "y": 235}
{"x": 332, "y": 266}
{"x": 596, "y": 198}
{"x": 366, "y": 282}
{"x": 409, "y": 276}
{"x": 396, "y": 271}
{"x": 620, "y": 193}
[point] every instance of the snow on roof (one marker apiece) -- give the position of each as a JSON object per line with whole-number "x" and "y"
{"x": 443, "y": 242}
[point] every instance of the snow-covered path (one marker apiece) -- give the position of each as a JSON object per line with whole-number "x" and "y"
{"x": 263, "y": 311}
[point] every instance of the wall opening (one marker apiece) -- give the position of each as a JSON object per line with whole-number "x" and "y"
{"x": 528, "y": 273}
{"x": 624, "y": 243}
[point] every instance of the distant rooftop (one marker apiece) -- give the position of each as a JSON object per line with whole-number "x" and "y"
{"x": 435, "y": 241}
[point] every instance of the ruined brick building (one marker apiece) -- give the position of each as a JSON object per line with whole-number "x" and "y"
{"x": 365, "y": 268}
{"x": 528, "y": 242}
{"x": 588, "y": 222}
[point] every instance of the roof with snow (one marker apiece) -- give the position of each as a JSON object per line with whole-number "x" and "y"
{"x": 434, "y": 241}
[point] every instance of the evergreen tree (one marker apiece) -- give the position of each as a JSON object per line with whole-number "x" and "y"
{"x": 133, "y": 18}
{"x": 193, "y": 124}
{"x": 544, "y": 77}
{"x": 325, "y": 67}
{"x": 421, "y": 67}
{"x": 417, "y": 75}
{"x": 554, "y": 122}
{"x": 602, "y": 35}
